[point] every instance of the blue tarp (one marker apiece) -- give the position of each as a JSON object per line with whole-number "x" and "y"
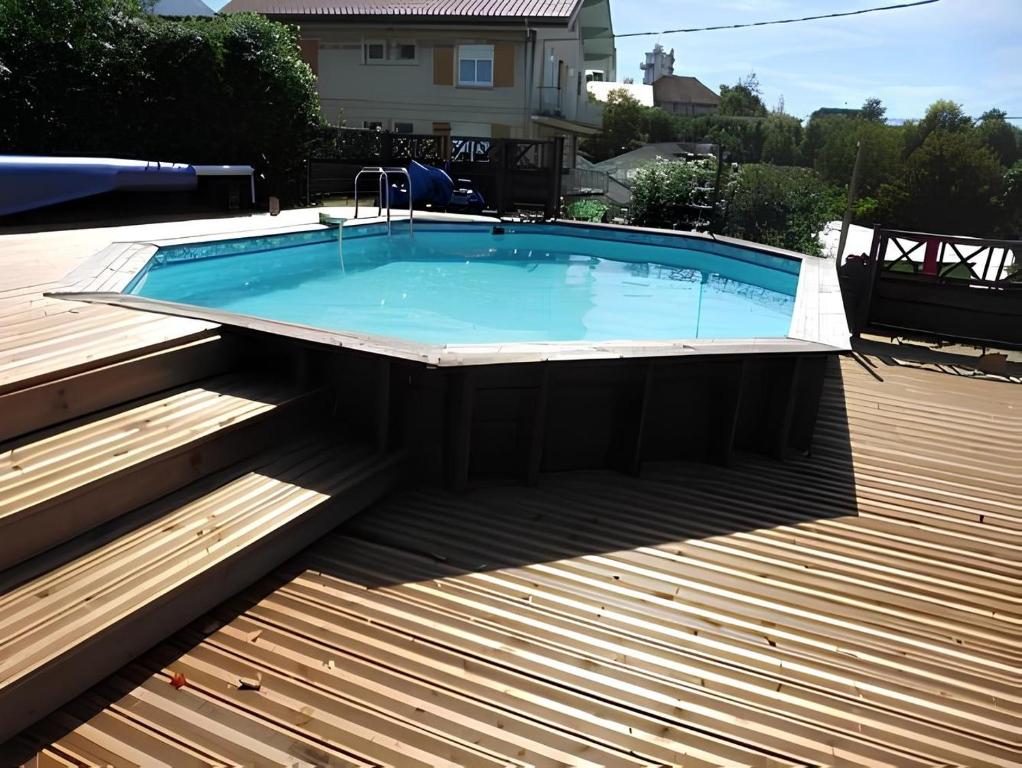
{"x": 28, "y": 181}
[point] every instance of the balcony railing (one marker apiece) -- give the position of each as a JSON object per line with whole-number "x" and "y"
{"x": 550, "y": 100}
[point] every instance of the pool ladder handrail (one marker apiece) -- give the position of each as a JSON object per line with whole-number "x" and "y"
{"x": 383, "y": 180}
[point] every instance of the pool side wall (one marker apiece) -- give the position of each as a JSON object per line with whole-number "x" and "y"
{"x": 511, "y": 423}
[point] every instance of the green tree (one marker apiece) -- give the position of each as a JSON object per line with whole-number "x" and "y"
{"x": 101, "y": 77}
{"x": 873, "y": 110}
{"x": 784, "y": 207}
{"x": 782, "y": 135}
{"x": 743, "y": 99}
{"x": 1004, "y": 139}
{"x": 625, "y": 126}
{"x": 1011, "y": 207}
{"x": 950, "y": 184}
{"x": 660, "y": 126}
{"x": 882, "y": 152}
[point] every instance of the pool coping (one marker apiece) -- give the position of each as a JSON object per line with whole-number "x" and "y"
{"x": 818, "y": 320}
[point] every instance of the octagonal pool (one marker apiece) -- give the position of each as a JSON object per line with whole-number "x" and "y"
{"x": 472, "y": 283}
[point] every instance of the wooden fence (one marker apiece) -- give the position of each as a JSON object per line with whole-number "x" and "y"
{"x": 513, "y": 175}
{"x": 954, "y": 288}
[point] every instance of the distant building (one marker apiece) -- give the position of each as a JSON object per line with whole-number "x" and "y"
{"x": 177, "y": 8}
{"x": 684, "y": 96}
{"x": 658, "y": 63}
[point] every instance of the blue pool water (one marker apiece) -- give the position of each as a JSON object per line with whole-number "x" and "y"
{"x": 463, "y": 285}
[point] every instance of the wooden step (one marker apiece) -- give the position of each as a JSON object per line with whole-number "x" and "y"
{"x": 76, "y": 614}
{"x": 81, "y": 392}
{"x": 57, "y": 484}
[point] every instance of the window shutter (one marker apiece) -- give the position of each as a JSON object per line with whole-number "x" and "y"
{"x": 309, "y": 48}
{"x": 443, "y": 65}
{"x": 503, "y": 65}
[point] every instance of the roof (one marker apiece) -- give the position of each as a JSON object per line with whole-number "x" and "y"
{"x": 855, "y": 607}
{"x": 619, "y": 166}
{"x": 490, "y": 9}
{"x": 687, "y": 90}
{"x": 181, "y": 8}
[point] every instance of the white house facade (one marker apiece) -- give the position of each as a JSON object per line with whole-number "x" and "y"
{"x": 490, "y": 68}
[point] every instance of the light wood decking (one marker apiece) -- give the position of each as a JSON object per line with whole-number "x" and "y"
{"x": 41, "y": 337}
{"x": 860, "y": 607}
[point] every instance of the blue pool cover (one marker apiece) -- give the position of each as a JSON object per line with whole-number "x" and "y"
{"x": 29, "y": 181}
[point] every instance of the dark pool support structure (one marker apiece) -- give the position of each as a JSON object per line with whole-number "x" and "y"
{"x": 507, "y": 424}
{"x": 28, "y": 182}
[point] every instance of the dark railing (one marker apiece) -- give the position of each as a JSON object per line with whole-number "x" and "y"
{"x": 990, "y": 263}
{"x": 585, "y": 181}
{"x": 950, "y": 288}
{"x": 512, "y": 174}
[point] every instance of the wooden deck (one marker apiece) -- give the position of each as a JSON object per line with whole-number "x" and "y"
{"x": 859, "y": 607}
{"x": 41, "y": 338}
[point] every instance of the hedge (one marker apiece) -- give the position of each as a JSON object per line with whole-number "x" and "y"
{"x": 104, "y": 78}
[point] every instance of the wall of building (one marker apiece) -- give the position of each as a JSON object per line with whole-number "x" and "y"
{"x": 355, "y": 91}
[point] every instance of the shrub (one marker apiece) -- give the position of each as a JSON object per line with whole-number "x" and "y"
{"x": 780, "y": 206}
{"x": 101, "y": 77}
{"x": 663, "y": 191}
{"x": 587, "y": 210}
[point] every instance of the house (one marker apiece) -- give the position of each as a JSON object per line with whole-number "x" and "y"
{"x": 687, "y": 96}
{"x": 486, "y": 68}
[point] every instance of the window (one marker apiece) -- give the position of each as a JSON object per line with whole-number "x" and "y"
{"x": 389, "y": 52}
{"x": 475, "y": 65}
{"x": 373, "y": 125}
{"x": 403, "y": 127}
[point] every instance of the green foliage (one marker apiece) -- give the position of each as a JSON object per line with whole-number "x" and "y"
{"x": 782, "y": 135}
{"x": 834, "y": 149}
{"x": 873, "y": 110}
{"x": 1003, "y": 138}
{"x": 662, "y": 191}
{"x": 625, "y": 126}
{"x": 951, "y": 184}
{"x": 660, "y": 126}
{"x": 741, "y": 138}
{"x": 1010, "y": 204}
{"x": 587, "y": 210}
{"x": 783, "y": 207}
{"x": 743, "y": 99}
{"x": 100, "y": 77}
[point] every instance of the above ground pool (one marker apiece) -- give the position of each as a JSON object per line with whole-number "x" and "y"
{"x": 480, "y": 283}
{"x": 476, "y": 291}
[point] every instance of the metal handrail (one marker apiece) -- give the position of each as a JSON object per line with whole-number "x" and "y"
{"x": 383, "y": 182}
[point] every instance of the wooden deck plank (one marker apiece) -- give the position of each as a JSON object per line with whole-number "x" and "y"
{"x": 857, "y": 607}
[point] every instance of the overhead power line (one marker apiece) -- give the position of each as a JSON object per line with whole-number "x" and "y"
{"x": 780, "y": 21}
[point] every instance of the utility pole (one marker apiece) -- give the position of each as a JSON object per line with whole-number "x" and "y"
{"x": 852, "y": 189}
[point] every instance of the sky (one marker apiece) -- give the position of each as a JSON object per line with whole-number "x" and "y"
{"x": 969, "y": 51}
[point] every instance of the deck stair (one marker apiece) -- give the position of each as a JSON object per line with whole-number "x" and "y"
{"x": 140, "y": 488}
{"x": 59, "y": 483}
{"x": 77, "y": 613}
{"x": 47, "y": 397}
